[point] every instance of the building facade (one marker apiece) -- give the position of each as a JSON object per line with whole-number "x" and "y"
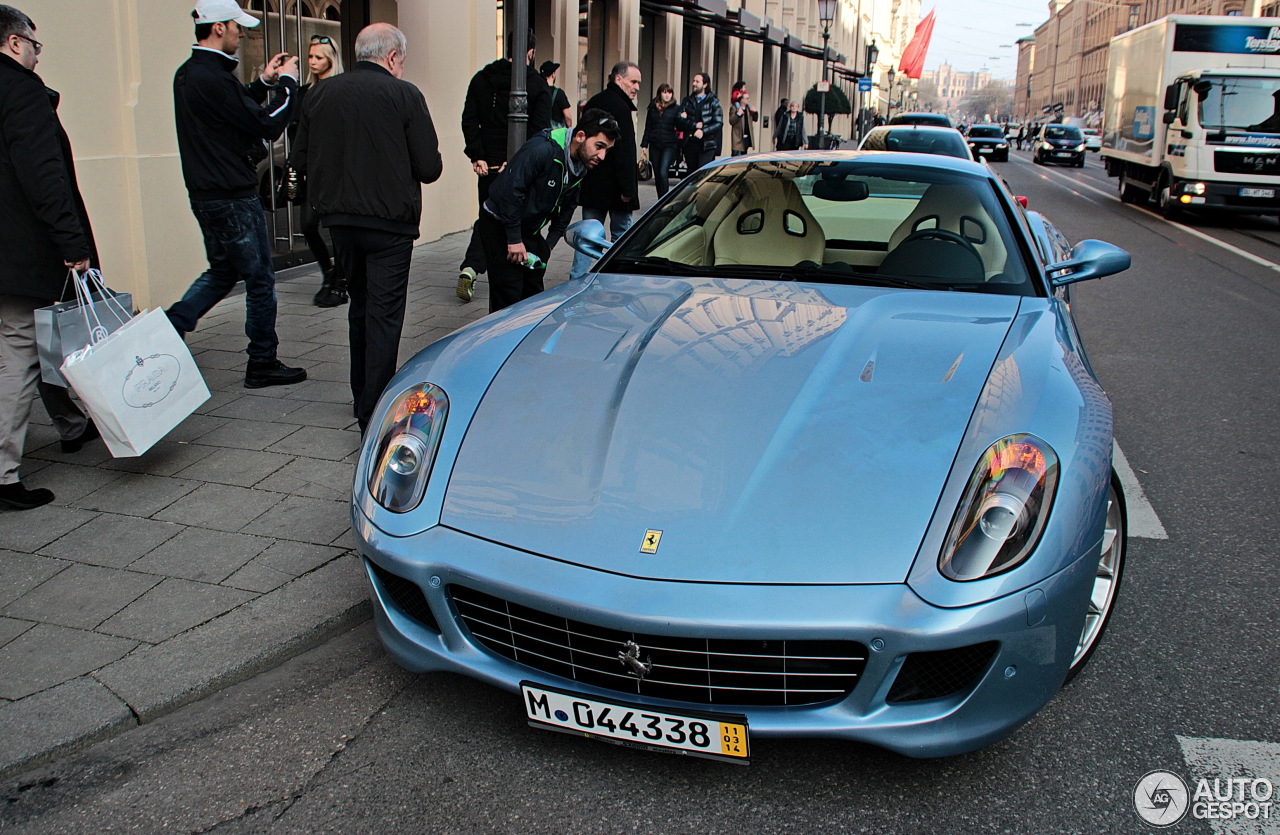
{"x": 953, "y": 87}
{"x": 113, "y": 61}
{"x": 1065, "y": 63}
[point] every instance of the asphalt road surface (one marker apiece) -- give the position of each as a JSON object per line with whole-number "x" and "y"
{"x": 1186, "y": 679}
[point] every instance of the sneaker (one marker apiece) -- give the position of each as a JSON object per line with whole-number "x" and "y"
{"x": 20, "y": 498}
{"x": 263, "y": 373}
{"x": 90, "y": 433}
{"x": 466, "y": 289}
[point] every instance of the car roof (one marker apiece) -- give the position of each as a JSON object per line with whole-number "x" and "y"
{"x": 940, "y": 161}
{"x": 920, "y": 117}
{"x": 936, "y": 137}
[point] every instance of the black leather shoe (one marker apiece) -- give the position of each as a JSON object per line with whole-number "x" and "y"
{"x": 90, "y": 433}
{"x": 20, "y": 498}
{"x": 263, "y": 373}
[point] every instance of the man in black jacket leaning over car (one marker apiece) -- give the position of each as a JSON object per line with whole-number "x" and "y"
{"x": 537, "y": 190}
{"x": 365, "y": 143}
{"x": 44, "y": 231}
{"x": 223, "y": 130}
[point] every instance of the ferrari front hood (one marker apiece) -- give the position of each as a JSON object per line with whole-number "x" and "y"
{"x": 729, "y": 431}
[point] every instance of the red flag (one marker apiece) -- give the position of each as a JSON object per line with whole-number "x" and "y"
{"x": 913, "y": 56}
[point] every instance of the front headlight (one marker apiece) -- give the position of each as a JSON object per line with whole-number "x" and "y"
{"x": 1045, "y": 146}
{"x": 1002, "y": 145}
{"x": 1003, "y": 510}
{"x": 407, "y": 442}
{"x": 1080, "y": 147}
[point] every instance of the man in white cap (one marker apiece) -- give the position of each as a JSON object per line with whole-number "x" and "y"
{"x": 224, "y": 128}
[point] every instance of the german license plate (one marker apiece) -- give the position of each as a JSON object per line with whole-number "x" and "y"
{"x": 1257, "y": 192}
{"x": 984, "y": 150}
{"x": 718, "y": 736}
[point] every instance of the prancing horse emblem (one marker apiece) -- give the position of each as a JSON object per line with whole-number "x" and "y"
{"x": 630, "y": 658}
{"x": 650, "y": 543}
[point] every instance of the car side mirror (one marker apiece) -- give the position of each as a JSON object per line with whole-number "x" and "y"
{"x": 587, "y": 237}
{"x": 1169, "y": 116}
{"x": 1089, "y": 259}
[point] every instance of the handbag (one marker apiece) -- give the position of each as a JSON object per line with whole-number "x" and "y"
{"x": 644, "y": 169}
{"x": 138, "y": 383}
{"x": 66, "y": 327}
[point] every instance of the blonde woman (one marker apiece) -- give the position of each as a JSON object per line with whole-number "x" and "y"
{"x": 323, "y": 61}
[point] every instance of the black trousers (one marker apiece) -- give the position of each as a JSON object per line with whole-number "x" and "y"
{"x": 475, "y": 257}
{"x": 376, "y": 264}
{"x": 508, "y": 282}
{"x": 311, "y": 233}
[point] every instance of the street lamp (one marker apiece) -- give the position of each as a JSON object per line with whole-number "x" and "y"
{"x": 873, "y": 55}
{"x": 888, "y": 110}
{"x": 826, "y": 14}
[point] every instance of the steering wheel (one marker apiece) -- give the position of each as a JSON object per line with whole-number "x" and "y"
{"x": 945, "y": 235}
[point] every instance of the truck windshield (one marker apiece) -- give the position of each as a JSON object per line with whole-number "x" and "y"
{"x": 1241, "y": 104}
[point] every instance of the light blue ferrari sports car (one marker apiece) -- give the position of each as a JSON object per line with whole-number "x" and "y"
{"x": 815, "y": 451}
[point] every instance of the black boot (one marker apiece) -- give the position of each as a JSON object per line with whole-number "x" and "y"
{"x": 333, "y": 289}
{"x": 20, "y": 498}
{"x": 263, "y": 373}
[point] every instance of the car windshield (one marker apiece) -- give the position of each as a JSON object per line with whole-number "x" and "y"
{"x": 986, "y": 132}
{"x": 862, "y": 221}
{"x": 1240, "y": 104}
{"x": 913, "y": 140}
{"x": 1062, "y": 132}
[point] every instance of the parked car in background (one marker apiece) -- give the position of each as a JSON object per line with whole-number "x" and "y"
{"x": 1092, "y": 139}
{"x": 917, "y": 139}
{"x": 812, "y": 451}
{"x": 921, "y": 118}
{"x": 1060, "y": 144}
{"x": 988, "y": 142}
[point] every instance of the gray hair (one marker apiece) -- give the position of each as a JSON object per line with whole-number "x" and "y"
{"x": 378, "y": 40}
{"x": 620, "y": 69}
{"x": 14, "y": 22}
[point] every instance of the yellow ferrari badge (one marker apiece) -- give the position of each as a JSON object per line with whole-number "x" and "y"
{"x": 651, "y": 540}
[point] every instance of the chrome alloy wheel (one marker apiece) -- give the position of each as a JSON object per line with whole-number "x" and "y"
{"x": 1106, "y": 581}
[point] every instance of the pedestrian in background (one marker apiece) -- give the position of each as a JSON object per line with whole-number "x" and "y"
{"x": 366, "y": 142}
{"x": 44, "y": 232}
{"x": 703, "y": 123}
{"x": 561, "y": 112}
{"x": 484, "y": 130}
{"x": 223, "y": 133}
{"x": 661, "y": 135}
{"x": 613, "y": 187}
{"x": 741, "y": 115}
{"x": 789, "y": 134}
{"x": 538, "y": 190}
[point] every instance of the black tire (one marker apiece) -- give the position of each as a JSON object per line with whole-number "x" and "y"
{"x": 1102, "y": 602}
{"x": 1170, "y": 209}
{"x": 1080, "y": 164}
{"x": 1129, "y": 193}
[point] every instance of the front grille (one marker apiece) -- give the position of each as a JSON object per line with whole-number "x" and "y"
{"x": 933, "y": 675}
{"x": 406, "y": 596}
{"x": 715, "y": 671}
{"x": 1235, "y": 162}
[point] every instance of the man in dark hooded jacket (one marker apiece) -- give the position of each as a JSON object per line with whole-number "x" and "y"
{"x": 484, "y": 130}
{"x": 44, "y": 231}
{"x": 613, "y": 187}
{"x": 537, "y": 191}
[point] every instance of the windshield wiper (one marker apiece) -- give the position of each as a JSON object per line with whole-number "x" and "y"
{"x": 843, "y": 275}
{"x": 655, "y": 265}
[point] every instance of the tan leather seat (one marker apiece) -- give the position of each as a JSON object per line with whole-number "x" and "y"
{"x": 770, "y": 226}
{"x": 955, "y": 208}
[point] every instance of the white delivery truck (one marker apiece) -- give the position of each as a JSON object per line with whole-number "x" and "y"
{"x": 1192, "y": 114}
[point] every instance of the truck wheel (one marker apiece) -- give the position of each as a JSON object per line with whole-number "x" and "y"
{"x": 1170, "y": 208}
{"x": 1129, "y": 193}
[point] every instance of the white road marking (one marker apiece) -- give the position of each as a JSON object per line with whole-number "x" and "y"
{"x": 1249, "y": 256}
{"x": 1227, "y": 758}
{"x": 1143, "y": 521}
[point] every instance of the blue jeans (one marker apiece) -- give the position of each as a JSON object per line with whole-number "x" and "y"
{"x": 619, "y": 222}
{"x": 662, "y": 159}
{"x": 238, "y": 247}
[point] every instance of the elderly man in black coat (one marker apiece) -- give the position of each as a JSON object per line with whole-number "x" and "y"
{"x": 44, "y": 232}
{"x": 613, "y": 187}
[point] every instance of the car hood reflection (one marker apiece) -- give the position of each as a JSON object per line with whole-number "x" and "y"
{"x": 757, "y": 425}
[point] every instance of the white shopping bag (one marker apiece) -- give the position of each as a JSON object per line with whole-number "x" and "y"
{"x": 138, "y": 383}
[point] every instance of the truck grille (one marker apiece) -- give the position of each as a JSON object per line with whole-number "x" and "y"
{"x": 1234, "y": 162}
{"x": 715, "y": 671}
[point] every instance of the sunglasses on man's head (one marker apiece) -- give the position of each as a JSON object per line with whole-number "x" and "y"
{"x": 321, "y": 39}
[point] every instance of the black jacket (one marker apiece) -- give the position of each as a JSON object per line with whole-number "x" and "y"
{"x": 365, "y": 143}
{"x": 616, "y": 176}
{"x": 484, "y": 113}
{"x": 223, "y": 126}
{"x": 536, "y": 190}
{"x": 789, "y": 132}
{"x": 709, "y": 113}
{"x": 43, "y": 221}
{"x": 660, "y": 127}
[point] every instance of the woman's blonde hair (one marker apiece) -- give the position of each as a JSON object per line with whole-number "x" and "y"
{"x": 329, "y": 51}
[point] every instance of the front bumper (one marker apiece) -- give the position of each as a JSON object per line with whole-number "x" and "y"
{"x": 1036, "y": 630}
{"x": 1229, "y": 197}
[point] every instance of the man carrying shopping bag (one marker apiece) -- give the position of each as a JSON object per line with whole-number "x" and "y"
{"x": 44, "y": 229}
